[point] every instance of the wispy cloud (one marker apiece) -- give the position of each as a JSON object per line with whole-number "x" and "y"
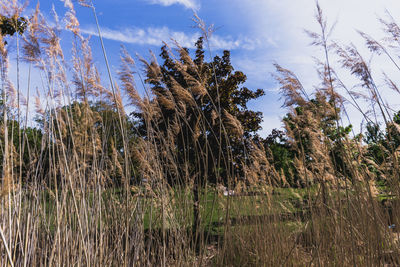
{"x": 190, "y": 4}
{"x": 157, "y": 35}
{"x": 295, "y": 54}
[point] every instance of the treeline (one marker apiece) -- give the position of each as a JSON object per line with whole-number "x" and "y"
{"x": 89, "y": 128}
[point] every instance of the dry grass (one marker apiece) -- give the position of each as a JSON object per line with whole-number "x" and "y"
{"x": 68, "y": 197}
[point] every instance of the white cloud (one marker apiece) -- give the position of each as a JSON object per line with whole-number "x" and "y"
{"x": 285, "y": 20}
{"x": 149, "y": 36}
{"x": 271, "y": 121}
{"x": 156, "y": 35}
{"x": 190, "y": 4}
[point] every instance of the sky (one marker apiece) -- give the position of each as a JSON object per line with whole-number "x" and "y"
{"x": 257, "y": 32}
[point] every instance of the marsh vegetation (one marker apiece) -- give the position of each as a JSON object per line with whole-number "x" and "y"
{"x": 162, "y": 164}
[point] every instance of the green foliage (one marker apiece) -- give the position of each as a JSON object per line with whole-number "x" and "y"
{"x": 376, "y": 141}
{"x": 23, "y": 142}
{"x": 311, "y": 132}
{"x": 91, "y": 129}
{"x": 10, "y": 26}
{"x": 206, "y": 114}
{"x": 394, "y": 132}
{"x": 281, "y": 155}
{"x": 373, "y": 135}
{"x": 381, "y": 144}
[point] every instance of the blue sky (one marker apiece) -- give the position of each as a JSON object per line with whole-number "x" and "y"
{"x": 258, "y": 33}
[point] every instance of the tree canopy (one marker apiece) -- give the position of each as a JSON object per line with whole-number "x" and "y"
{"x": 203, "y": 106}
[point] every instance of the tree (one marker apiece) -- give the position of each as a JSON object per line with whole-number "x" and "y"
{"x": 312, "y": 129}
{"x": 91, "y": 136}
{"x": 375, "y": 140}
{"x": 282, "y": 156}
{"x": 10, "y": 26}
{"x": 393, "y": 132}
{"x": 24, "y": 140}
{"x": 202, "y": 117}
{"x": 213, "y": 100}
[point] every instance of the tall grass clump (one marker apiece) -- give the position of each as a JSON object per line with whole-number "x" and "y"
{"x": 162, "y": 164}
{"x": 346, "y": 215}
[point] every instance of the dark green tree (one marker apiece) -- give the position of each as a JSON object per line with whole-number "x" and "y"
{"x": 281, "y": 155}
{"x": 220, "y": 103}
{"x": 394, "y": 131}
{"x": 10, "y": 26}
{"x": 25, "y": 140}
{"x": 312, "y": 124}
{"x": 91, "y": 131}
{"x": 375, "y": 140}
{"x": 203, "y": 112}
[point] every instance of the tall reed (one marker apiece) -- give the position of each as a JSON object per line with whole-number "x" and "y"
{"x": 93, "y": 185}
